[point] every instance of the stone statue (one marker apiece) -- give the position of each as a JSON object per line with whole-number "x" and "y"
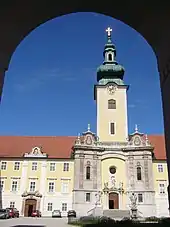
{"x": 113, "y": 181}
{"x": 106, "y": 185}
{"x": 98, "y": 198}
{"x": 121, "y": 185}
{"x": 133, "y": 200}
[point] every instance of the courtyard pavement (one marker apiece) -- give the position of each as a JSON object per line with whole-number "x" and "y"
{"x": 30, "y": 222}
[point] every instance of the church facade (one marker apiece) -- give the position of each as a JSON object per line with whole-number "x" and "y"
{"x": 92, "y": 172}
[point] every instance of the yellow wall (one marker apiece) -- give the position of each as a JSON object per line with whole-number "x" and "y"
{"x": 120, "y": 174}
{"x": 59, "y": 174}
{"x": 118, "y": 115}
{"x": 56, "y": 176}
{"x": 160, "y": 176}
{"x": 9, "y": 173}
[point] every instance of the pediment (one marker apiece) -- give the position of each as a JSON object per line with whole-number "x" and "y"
{"x": 139, "y": 140}
{"x": 87, "y": 138}
{"x": 31, "y": 194}
{"x": 36, "y": 152}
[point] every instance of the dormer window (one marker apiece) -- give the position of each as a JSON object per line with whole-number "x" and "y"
{"x": 110, "y": 57}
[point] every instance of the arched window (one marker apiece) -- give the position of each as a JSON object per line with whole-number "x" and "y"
{"x": 110, "y": 57}
{"x": 111, "y": 104}
{"x": 88, "y": 173}
{"x": 139, "y": 173}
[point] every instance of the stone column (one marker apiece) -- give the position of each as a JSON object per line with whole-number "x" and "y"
{"x": 43, "y": 183}
{"x": 23, "y": 183}
{"x": 106, "y": 200}
{"x": 24, "y": 176}
{"x": 23, "y": 207}
{"x": 120, "y": 200}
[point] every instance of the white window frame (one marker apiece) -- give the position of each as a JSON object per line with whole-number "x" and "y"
{"x": 49, "y": 206}
{"x": 160, "y": 168}
{"x": 12, "y": 204}
{"x": 64, "y": 188}
{"x": 64, "y": 207}
{"x": 52, "y": 166}
{"x": 14, "y": 186}
{"x": 2, "y": 183}
{"x": 3, "y": 165}
{"x": 162, "y": 188}
{"x": 51, "y": 186}
{"x": 110, "y": 128}
{"x": 87, "y": 193}
{"x": 34, "y": 166}
{"x": 66, "y": 166}
{"x": 140, "y": 194}
{"x": 16, "y": 165}
{"x": 34, "y": 183}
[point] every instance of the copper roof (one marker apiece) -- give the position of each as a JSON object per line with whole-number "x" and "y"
{"x": 58, "y": 146}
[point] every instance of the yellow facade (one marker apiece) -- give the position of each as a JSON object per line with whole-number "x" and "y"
{"x": 57, "y": 176}
{"x": 160, "y": 174}
{"x": 120, "y": 175}
{"x": 106, "y": 116}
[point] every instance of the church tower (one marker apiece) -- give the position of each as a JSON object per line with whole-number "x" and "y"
{"x": 111, "y": 98}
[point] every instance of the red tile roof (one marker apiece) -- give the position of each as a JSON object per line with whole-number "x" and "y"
{"x": 53, "y": 146}
{"x": 158, "y": 142}
{"x": 58, "y": 146}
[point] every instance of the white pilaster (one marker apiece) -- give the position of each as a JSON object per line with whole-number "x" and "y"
{"x": 43, "y": 182}
{"x": 24, "y": 176}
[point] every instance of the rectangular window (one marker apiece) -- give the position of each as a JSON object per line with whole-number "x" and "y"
{"x": 51, "y": 187}
{"x": 112, "y": 128}
{"x": 52, "y": 166}
{"x": 64, "y": 206}
{"x": 49, "y": 207}
{"x": 1, "y": 185}
{"x": 160, "y": 168}
{"x": 3, "y": 165}
{"x": 64, "y": 187}
{"x": 16, "y": 165}
{"x": 140, "y": 198}
{"x": 88, "y": 173}
{"x": 34, "y": 166}
{"x": 14, "y": 186}
{"x": 32, "y": 186}
{"x": 66, "y": 167}
{"x": 12, "y": 204}
{"x": 162, "y": 188}
{"x": 111, "y": 104}
{"x": 88, "y": 197}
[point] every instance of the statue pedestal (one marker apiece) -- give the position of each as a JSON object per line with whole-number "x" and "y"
{"x": 98, "y": 211}
{"x": 134, "y": 213}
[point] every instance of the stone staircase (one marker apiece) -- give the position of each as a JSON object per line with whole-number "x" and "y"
{"x": 116, "y": 214}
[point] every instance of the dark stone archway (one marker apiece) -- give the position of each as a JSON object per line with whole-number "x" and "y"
{"x": 151, "y": 19}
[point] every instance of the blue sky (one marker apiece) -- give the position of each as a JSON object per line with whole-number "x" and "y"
{"x": 48, "y": 88}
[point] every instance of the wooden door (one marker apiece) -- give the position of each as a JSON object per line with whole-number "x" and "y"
{"x": 29, "y": 203}
{"x": 113, "y": 200}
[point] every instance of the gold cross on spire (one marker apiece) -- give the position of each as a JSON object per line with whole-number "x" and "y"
{"x": 108, "y": 30}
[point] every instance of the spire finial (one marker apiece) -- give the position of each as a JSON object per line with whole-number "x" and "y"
{"x": 88, "y": 128}
{"x": 146, "y": 139}
{"x": 108, "y": 30}
{"x": 136, "y": 128}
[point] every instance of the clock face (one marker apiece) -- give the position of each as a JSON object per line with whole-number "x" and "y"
{"x": 111, "y": 89}
{"x": 137, "y": 141}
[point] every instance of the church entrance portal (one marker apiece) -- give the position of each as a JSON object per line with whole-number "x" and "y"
{"x": 113, "y": 200}
{"x": 30, "y": 206}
